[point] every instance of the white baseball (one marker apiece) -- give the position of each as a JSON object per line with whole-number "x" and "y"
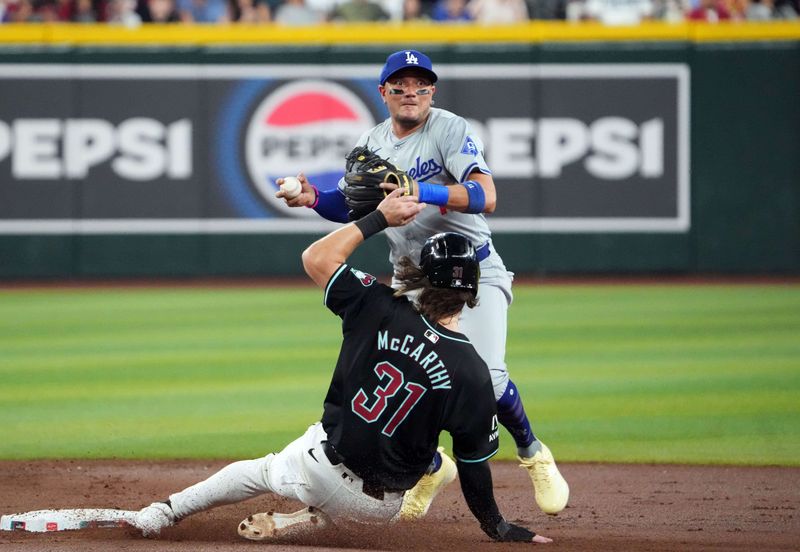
{"x": 291, "y": 187}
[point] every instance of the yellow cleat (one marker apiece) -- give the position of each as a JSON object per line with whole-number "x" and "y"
{"x": 549, "y": 486}
{"x": 416, "y": 501}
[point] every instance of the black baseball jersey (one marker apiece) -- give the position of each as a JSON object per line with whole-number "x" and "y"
{"x": 399, "y": 381}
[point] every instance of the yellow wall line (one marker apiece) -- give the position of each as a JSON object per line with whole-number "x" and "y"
{"x": 396, "y": 34}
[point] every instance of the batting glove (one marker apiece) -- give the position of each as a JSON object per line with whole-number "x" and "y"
{"x": 508, "y": 532}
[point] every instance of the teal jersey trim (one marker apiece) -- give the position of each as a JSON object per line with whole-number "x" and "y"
{"x": 476, "y": 461}
{"x": 437, "y": 332}
{"x": 330, "y": 283}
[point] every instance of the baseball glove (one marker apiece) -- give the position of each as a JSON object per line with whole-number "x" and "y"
{"x": 365, "y": 171}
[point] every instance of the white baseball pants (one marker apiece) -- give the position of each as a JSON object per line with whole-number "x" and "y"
{"x": 300, "y": 471}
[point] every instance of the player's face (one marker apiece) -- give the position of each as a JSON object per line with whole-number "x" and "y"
{"x": 408, "y": 95}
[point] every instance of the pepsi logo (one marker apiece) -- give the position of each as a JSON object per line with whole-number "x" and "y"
{"x": 305, "y": 125}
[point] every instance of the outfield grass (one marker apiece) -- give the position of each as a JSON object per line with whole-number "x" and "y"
{"x": 698, "y": 374}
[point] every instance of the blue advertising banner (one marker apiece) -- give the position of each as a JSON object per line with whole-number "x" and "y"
{"x": 105, "y": 149}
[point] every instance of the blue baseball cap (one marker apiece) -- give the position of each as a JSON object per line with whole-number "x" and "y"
{"x": 405, "y": 59}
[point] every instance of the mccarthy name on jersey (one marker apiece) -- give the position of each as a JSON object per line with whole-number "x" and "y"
{"x": 429, "y": 361}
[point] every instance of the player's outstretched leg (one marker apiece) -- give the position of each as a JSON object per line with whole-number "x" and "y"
{"x": 233, "y": 483}
{"x": 274, "y": 525}
{"x": 417, "y": 500}
{"x": 550, "y": 488}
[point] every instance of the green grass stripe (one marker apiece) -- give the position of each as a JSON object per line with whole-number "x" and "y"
{"x": 627, "y": 373}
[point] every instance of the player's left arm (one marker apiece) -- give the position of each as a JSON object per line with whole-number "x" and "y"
{"x": 476, "y": 485}
{"x": 475, "y": 195}
{"x": 467, "y": 198}
{"x": 471, "y": 419}
{"x": 462, "y": 156}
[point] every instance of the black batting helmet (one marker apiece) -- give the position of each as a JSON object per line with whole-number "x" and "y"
{"x": 449, "y": 261}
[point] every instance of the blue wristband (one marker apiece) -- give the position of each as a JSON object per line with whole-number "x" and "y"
{"x": 433, "y": 194}
{"x": 477, "y": 197}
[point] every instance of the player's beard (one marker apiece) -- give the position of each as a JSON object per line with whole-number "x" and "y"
{"x": 410, "y": 122}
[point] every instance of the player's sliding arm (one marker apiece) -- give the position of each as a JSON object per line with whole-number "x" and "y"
{"x": 476, "y": 195}
{"x": 328, "y": 204}
{"x": 324, "y": 257}
{"x": 476, "y": 484}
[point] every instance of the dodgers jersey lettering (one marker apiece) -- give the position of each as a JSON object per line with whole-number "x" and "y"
{"x": 444, "y": 151}
{"x": 399, "y": 381}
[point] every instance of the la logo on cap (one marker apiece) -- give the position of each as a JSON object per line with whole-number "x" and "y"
{"x": 406, "y": 59}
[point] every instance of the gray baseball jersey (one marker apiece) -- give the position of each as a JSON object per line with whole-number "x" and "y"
{"x": 445, "y": 151}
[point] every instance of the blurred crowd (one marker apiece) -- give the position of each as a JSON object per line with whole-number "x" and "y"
{"x": 306, "y": 12}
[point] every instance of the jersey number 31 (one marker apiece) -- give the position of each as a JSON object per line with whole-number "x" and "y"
{"x": 371, "y": 413}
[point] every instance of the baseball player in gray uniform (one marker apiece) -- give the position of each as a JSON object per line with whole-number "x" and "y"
{"x": 444, "y": 157}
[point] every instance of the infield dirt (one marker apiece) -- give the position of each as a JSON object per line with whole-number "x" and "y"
{"x": 612, "y": 507}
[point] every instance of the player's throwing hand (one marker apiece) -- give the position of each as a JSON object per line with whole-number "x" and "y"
{"x": 306, "y": 198}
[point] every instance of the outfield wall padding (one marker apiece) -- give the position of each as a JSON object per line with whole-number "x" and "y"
{"x": 685, "y": 153}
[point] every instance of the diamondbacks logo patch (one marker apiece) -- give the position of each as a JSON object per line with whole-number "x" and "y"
{"x": 364, "y": 278}
{"x": 469, "y": 147}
